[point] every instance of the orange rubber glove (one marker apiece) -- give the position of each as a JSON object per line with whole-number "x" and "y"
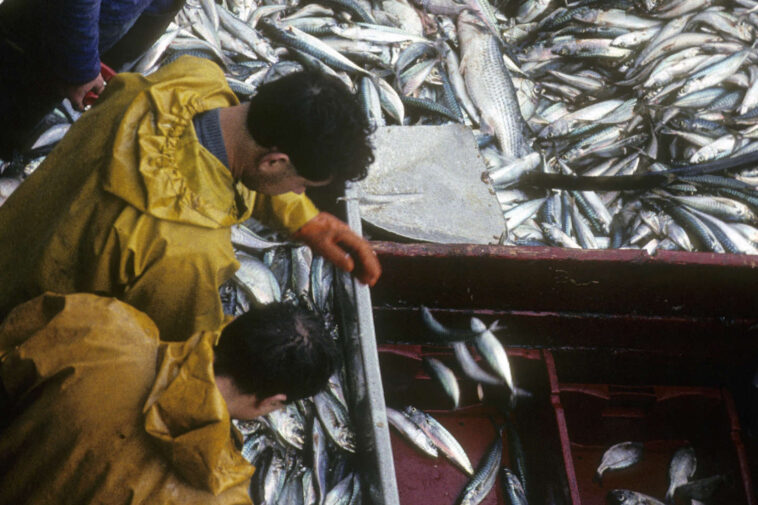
{"x": 334, "y": 240}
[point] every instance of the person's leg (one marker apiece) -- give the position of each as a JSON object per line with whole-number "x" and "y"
{"x": 26, "y": 95}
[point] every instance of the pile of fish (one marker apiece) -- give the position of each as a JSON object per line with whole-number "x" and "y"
{"x": 613, "y": 89}
{"x": 430, "y": 437}
{"x": 304, "y": 453}
{"x": 682, "y": 468}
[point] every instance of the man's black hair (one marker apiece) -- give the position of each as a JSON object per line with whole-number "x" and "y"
{"x": 315, "y": 120}
{"x": 277, "y": 348}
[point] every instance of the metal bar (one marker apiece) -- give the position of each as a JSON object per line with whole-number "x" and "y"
{"x": 364, "y": 379}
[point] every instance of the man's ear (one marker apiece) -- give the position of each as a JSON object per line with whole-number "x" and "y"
{"x": 274, "y": 402}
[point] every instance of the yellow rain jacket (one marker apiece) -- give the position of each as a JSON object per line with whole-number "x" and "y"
{"x": 131, "y": 205}
{"x": 102, "y": 411}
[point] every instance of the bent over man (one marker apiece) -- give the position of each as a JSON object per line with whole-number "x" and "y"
{"x": 138, "y": 198}
{"x": 99, "y": 410}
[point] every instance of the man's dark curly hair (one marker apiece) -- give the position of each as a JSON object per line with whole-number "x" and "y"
{"x": 316, "y": 121}
{"x": 277, "y": 348}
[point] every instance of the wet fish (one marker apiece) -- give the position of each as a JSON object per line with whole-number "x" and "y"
{"x": 492, "y": 351}
{"x": 412, "y": 432}
{"x": 477, "y": 489}
{"x": 512, "y": 488}
{"x": 445, "y": 377}
{"x": 681, "y": 469}
{"x": 442, "y": 332}
{"x": 335, "y": 420}
{"x": 619, "y": 456}
{"x": 257, "y": 280}
{"x": 490, "y": 86}
{"x": 627, "y": 497}
{"x": 441, "y": 438}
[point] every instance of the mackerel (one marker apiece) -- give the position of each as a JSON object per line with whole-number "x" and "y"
{"x": 441, "y": 437}
{"x": 412, "y": 432}
{"x": 483, "y": 480}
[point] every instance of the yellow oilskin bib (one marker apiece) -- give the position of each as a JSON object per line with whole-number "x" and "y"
{"x": 131, "y": 205}
{"x": 102, "y": 411}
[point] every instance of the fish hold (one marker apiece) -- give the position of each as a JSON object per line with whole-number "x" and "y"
{"x": 619, "y": 456}
{"x": 626, "y": 497}
{"x": 490, "y": 87}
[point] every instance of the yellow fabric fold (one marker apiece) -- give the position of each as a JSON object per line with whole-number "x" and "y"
{"x": 105, "y": 413}
{"x": 129, "y": 204}
{"x": 188, "y": 418}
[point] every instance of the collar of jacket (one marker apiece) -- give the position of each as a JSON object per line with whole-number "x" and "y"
{"x": 187, "y": 416}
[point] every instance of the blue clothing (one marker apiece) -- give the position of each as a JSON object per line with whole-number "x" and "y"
{"x": 47, "y": 43}
{"x": 70, "y": 35}
{"x": 82, "y": 24}
{"x": 208, "y": 129}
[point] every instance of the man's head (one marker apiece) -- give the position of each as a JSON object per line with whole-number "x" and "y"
{"x": 316, "y": 123}
{"x": 271, "y": 355}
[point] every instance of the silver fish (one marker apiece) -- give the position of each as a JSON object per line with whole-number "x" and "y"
{"x": 619, "y": 456}
{"x": 445, "y": 377}
{"x": 490, "y": 86}
{"x": 441, "y": 438}
{"x": 335, "y": 419}
{"x": 412, "y": 432}
{"x": 257, "y": 280}
{"x": 483, "y": 480}
{"x": 627, "y": 497}
{"x": 681, "y": 469}
{"x": 492, "y": 351}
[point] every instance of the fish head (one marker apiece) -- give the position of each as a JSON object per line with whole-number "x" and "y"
{"x": 620, "y": 497}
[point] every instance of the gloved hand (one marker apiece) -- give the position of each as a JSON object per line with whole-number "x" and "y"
{"x": 334, "y": 240}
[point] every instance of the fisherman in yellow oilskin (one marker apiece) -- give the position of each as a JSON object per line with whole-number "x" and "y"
{"x": 96, "y": 409}
{"x": 138, "y": 198}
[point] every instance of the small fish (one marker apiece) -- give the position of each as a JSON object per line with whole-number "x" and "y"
{"x": 446, "y": 378}
{"x": 441, "y": 438}
{"x": 492, "y": 351}
{"x": 257, "y": 280}
{"x": 627, "y": 497}
{"x": 443, "y": 332}
{"x": 483, "y": 480}
{"x": 681, "y": 469}
{"x": 621, "y": 455}
{"x": 512, "y": 488}
{"x": 335, "y": 420}
{"x": 412, "y": 432}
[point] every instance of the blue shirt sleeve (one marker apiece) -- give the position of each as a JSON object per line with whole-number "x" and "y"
{"x": 163, "y": 6}
{"x": 77, "y": 59}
